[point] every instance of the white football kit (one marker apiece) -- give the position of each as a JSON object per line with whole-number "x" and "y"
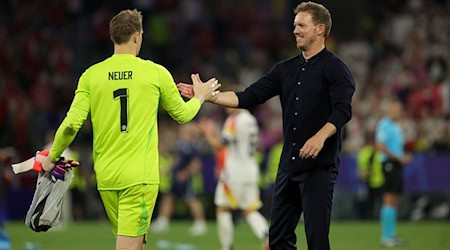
{"x": 238, "y": 183}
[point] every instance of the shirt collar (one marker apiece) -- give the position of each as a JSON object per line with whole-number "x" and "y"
{"x": 313, "y": 59}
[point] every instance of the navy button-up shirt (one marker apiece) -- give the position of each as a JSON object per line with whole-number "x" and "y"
{"x": 312, "y": 92}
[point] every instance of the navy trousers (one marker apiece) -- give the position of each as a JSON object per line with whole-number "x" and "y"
{"x": 310, "y": 194}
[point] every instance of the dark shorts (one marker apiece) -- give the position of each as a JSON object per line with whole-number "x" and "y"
{"x": 393, "y": 177}
{"x": 182, "y": 190}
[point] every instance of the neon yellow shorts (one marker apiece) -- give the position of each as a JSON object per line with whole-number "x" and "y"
{"x": 130, "y": 210}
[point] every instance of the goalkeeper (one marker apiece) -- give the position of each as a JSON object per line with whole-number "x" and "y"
{"x": 122, "y": 94}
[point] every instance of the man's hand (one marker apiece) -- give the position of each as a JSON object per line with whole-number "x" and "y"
{"x": 186, "y": 89}
{"x": 61, "y": 168}
{"x": 312, "y": 147}
{"x": 47, "y": 163}
{"x": 199, "y": 85}
{"x": 198, "y": 89}
{"x": 406, "y": 159}
{"x": 57, "y": 169}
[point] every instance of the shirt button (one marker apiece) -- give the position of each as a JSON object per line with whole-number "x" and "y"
{"x": 298, "y": 83}
{"x": 303, "y": 69}
{"x": 306, "y": 60}
{"x": 296, "y": 98}
{"x": 293, "y": 144}
{"x": 293, "y": 157}
{"x": 294, "y": 128}
{"x": 295, "y": 113}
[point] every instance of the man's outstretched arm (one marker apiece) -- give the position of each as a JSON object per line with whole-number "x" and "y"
{"x": 226, "y": 99}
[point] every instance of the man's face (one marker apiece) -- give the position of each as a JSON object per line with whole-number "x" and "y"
{"x": 305, "y": 31}
{"x": 396, "y": 110}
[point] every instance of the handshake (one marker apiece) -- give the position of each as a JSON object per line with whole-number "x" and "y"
{"x": 202, "y": 91}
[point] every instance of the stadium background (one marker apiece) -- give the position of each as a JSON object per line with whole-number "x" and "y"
{"x": 393, "y": 48}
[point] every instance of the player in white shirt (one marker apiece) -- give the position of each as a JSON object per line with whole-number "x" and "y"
{"x": 237, "y": 187}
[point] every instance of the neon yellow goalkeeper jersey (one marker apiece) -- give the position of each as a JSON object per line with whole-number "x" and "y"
{"x": 122, "y": 94}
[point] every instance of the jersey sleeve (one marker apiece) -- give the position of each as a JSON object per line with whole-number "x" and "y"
{"x": 171, "y": 100}
{"x": 75, "y": 118}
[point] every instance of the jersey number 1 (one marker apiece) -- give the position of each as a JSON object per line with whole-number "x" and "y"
{"x": 122, "y": 94}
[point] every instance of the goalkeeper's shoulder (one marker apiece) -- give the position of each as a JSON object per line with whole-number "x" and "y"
{"x": 153, "y": 65}
{"x": 101, "y": 66}
{"x": 88, "y": 71}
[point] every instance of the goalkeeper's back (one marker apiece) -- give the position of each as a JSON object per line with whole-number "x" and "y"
{"x": 123, "y": 93}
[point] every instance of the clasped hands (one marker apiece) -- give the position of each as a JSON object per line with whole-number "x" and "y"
{"x": 204, "y": 91}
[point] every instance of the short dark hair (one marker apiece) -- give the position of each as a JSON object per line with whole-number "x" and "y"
{"x": 320, "y": 14}
{"x": 124, "y": 24}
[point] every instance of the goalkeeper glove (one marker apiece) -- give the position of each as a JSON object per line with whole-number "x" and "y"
{"x": 57, "y": 170}
{"x": 61, "y": 168}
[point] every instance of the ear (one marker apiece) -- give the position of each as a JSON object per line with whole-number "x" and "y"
{"x": 320, "y": 29}
{"x": 135, "y": 37}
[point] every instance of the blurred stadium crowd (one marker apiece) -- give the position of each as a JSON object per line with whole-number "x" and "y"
{"x": 394, "y": 49}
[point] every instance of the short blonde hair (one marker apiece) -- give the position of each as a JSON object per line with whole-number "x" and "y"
{"x": 124, "y": 24}
{"x": 320, "y": 14}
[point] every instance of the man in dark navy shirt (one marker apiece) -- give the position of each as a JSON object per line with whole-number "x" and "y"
{"x": 315, "y": 90}
{"x": 186, "y": 164}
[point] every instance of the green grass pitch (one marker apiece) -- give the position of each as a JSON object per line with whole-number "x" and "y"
{"x": 343, "y": 236}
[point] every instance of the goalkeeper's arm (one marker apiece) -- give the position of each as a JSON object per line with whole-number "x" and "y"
{"x": 75, "y": 118}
